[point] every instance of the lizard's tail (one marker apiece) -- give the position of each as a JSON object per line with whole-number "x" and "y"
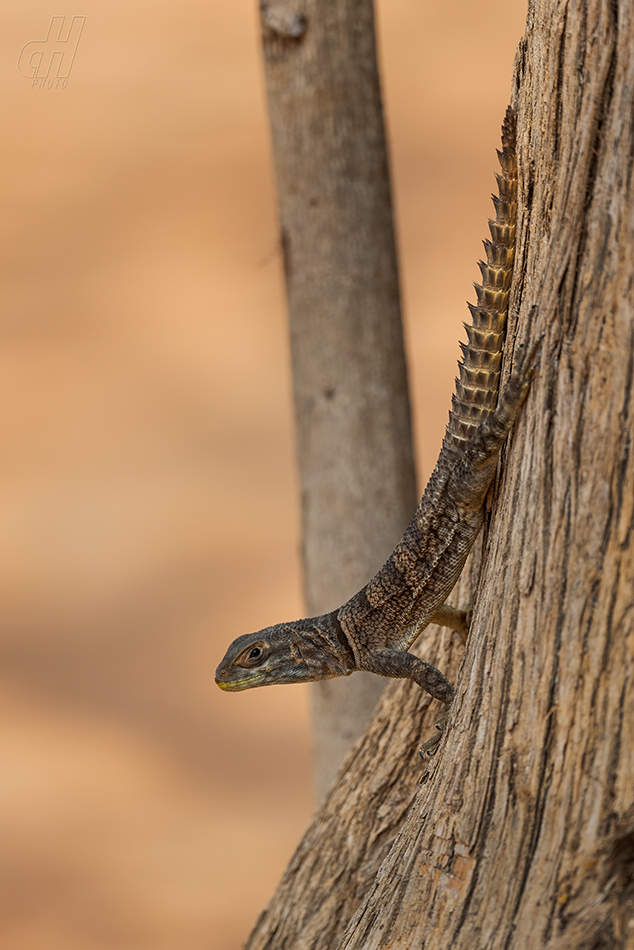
{"x": 477, "y": 386}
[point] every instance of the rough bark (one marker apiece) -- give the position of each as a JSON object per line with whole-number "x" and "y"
{"x": 522, "y": 834}
{"x": 354, "y": 444}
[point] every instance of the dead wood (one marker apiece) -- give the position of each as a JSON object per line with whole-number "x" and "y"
{"x": 521, "y": 836}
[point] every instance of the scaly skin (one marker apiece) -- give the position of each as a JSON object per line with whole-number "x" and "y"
{"x": 375, "y": 628}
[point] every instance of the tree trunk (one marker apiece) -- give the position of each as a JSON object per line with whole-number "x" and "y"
{"x": 521, "y": 834}
{"x": 354, "y": 443}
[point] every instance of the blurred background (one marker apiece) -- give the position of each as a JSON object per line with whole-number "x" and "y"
{"x": 148, "y": 496}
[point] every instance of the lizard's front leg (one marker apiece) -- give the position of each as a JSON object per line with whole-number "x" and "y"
{"x": 401, "y": 665}
{"x": 407, "y": 666}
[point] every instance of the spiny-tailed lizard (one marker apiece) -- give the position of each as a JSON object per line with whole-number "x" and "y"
{"x": 374, "y": 630}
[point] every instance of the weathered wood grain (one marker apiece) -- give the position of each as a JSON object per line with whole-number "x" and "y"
{"x": 501, "y": 849}
{"x": 522, "y": 835}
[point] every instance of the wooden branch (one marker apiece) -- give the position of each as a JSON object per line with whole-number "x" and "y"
{"x": 354, "y": 443}
{"x": 500, "y": 848}
{"x": 523, "y": 834}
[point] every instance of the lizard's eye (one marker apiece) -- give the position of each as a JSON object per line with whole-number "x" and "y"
{"x": 252, "y": 656}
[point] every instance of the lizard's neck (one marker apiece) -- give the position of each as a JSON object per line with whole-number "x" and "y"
{"x": 324, "y": 638}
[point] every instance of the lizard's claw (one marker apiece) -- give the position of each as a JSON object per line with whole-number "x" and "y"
{"x": 429, "y": 748}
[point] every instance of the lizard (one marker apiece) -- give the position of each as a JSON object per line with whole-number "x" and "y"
{"x": 375, "y": 628}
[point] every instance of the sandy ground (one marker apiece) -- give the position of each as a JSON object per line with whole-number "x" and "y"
{"x": 148, "y": 496}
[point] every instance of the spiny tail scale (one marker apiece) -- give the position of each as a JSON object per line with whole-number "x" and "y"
{"x": 477, "y": 386}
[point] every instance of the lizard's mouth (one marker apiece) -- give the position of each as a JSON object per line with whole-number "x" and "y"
{"x": 246, "y": 681}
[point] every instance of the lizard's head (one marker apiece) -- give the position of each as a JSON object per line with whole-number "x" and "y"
{"x": 286, "y": 653}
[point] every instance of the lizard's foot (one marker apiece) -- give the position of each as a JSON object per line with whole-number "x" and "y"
{"x": 429, "y": 748}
